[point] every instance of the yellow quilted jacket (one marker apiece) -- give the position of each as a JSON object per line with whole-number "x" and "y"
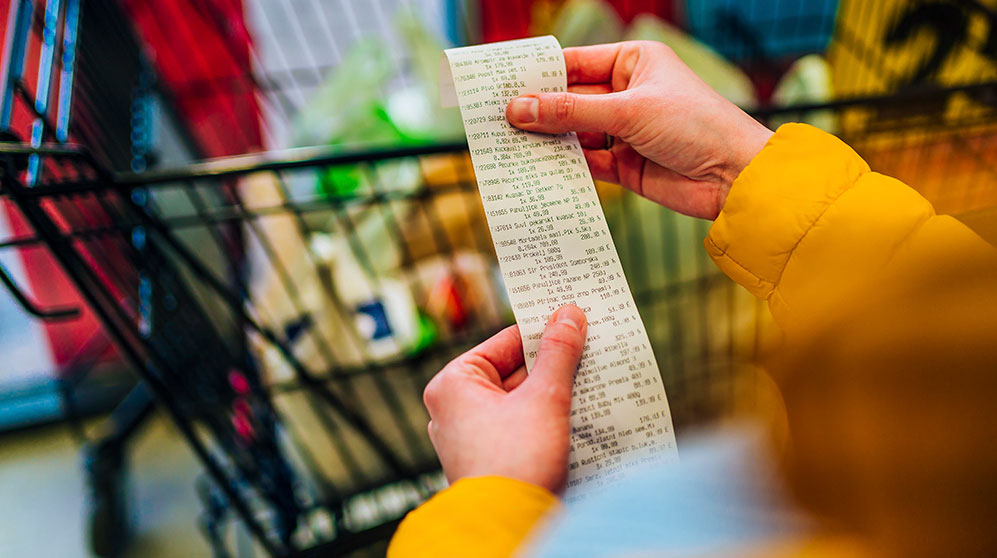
{"x": 805, "y": 222}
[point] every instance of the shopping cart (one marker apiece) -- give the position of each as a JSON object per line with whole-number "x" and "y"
{"x": 286, "y": 308}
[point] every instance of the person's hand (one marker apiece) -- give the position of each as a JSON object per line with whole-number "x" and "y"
{"x": 677, "y": 142}
{"x": 489, "y": 418}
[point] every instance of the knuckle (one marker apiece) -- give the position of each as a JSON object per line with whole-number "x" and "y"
{"x": 654, "y": 47}
{"x": 664, "y": 49}
{"x": 562, "y": 339}
{"x": 620, "y": 116}
{"x": 432, "y": 393}
{"x": 559, "y": 396}
{"x": 629, "y": 113}
{"x": 475, "y": 363}
{"x": 564, "y": 107}
{"x": 554, "y": 396}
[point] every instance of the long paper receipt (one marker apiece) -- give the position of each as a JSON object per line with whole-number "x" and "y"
{"x": 554, "y": 248}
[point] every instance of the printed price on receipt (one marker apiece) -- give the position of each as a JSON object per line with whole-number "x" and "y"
{"x": 554, "y": 248}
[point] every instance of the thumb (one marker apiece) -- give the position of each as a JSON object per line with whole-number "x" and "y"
{"x": 556, "y": 113}
{"x": 559, "y": 353}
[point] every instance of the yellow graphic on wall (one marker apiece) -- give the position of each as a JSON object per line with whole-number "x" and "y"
{"x": 917, "y": 48}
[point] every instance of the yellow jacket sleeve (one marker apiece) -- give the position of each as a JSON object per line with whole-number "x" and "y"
{"x": 807, "y": 222}
{"x": 479, "y": 517}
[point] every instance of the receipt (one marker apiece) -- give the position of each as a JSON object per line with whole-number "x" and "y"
{"x": 554, "y": 248}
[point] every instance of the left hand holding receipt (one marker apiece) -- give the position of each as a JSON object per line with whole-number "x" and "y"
{"x": 489, "y": 418}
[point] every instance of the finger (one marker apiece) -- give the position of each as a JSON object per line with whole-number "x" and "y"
{"x": 495, "y": 358}
{"x": 556, "y": 113}
{"x": 602, "y": 164}
{"x": 624, "y": 166}
{"x": 591, "y": 88}
{"x": 678, "y": 192}
{"x": 491, "y": 361}
{"x": 512, "y": 381}
{"x": 592, "y": 140}
{"x": 591, "y": 64}
{"x": 503, "y": 351}
{"x": 557, "y": 358}
{"x": 631, "y": 168}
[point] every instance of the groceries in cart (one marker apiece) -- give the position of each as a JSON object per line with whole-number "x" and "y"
{"x": 382, "y": 278}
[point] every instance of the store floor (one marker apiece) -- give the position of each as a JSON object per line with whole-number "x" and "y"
{"x": 43, "y": 495}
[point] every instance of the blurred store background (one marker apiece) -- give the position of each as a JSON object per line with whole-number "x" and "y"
{"x": 238, "y": 236}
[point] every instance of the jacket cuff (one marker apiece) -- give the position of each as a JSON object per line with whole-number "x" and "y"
{"x": 775, "y": 202}
{"x": 481, "y": 517}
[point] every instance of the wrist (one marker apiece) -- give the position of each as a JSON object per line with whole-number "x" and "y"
{"x": 551, "y": 479}
{"x": 749, "y": 143}
{"x": 511, "y": 483}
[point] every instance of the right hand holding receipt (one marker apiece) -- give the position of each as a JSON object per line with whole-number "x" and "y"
{"x": 671, "y": 138}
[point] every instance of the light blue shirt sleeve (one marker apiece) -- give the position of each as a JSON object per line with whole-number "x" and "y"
{"x": 724, "y": 494}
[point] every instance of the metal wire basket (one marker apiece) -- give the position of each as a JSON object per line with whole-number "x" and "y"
{"x": 287, "y": 307}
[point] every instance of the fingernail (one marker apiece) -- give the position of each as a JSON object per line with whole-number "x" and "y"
{"x": 524, "y": 110}
{"x": 570, "y": 316}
